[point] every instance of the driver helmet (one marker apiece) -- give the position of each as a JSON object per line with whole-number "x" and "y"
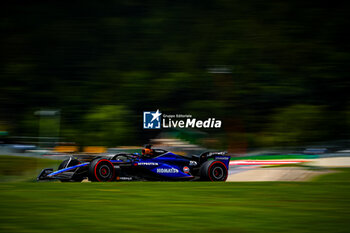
{"x": 147, "y": 150}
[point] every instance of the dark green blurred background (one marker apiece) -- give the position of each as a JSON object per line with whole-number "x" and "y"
{"x": 276, "y": 73}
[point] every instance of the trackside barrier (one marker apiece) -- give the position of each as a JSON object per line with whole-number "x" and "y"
{"x": 265, "y": 162}
{"x": 66, "y": 149}
{"x": 94, "y": 149}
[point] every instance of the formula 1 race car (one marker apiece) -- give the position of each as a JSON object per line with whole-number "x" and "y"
{"x": 153, "y": 164}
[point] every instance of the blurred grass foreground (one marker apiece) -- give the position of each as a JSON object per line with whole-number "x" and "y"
{"x": 321, "y": 205}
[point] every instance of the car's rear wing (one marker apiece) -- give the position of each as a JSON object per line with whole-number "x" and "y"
{"x": 220, "y": 155}
{"x": 225, "y": 159}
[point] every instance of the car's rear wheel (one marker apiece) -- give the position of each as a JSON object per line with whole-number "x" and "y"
{"x": 213, "y": 170}
{"x": 101, "y": 170}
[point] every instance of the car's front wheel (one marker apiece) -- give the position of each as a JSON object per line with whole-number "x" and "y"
{"x": 101, "y": 170}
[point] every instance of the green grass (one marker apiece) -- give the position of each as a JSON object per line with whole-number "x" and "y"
{"x": 320, "y": 206}
{"x": 342, "y": 175}
{"x": 163, "y": 206}
{"x": 17, "y": 168}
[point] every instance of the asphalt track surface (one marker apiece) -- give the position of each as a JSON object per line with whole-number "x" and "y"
{"x": 239, "y": 166}
{"x": 259, "y": 170}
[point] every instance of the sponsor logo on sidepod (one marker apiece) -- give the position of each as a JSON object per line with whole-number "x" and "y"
{"x": 165, "y": 170}
{"x": 147, "y": 164}
{"x": 193, "y": 163}
{"x": 186, "y": 169}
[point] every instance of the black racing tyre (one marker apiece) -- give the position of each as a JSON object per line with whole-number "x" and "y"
{"x": 213, "y": 170}
{"x": 101, "y": 170}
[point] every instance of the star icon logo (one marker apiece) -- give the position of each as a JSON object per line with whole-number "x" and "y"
{"x": 151, "y": 119}
{"x": 156, "y": 115}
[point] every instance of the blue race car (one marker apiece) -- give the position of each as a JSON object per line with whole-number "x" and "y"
{"x": 153, "y": 164}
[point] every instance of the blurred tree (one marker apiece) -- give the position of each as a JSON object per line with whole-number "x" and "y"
{"x": 299, "y": 124}
{"x": 78, "y": 56}
{"x": 108, "y": 126}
